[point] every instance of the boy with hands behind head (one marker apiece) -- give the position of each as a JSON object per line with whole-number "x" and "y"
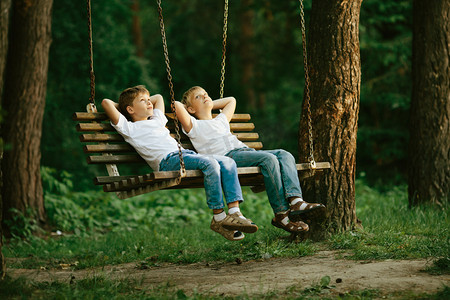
{"x": 213, "y": 136}
{"x": 140, "y": 119}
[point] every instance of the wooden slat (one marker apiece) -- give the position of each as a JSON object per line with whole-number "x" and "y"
{"x": 242, "y": 136}
{"x": 233, "y": 126}
{"x": 90, "y": 127}
{"x": 101, "y": 116}
{"x": 235, "y": 118}
{"x": 247, "y": 136}
{"x": 95, "y": 127}
{"x": 101, "y": 137}
{"x": 254, "y": 145}
{"x": 85, "y": 116}
{"x": 107, "y": 148}
{"x": 114, "y": 159}
{"x": 126, "y": 148}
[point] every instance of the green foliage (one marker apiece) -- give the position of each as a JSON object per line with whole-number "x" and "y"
{"x": 23, "y": 225}
{"x": 385, "y": 40}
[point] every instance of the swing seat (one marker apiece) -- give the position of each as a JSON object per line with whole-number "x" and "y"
{"x": 105, "y": 146}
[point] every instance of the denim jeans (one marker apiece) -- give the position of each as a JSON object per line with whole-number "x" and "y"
{"x": 220, "y": 172}
{"x": 279, "y": 171}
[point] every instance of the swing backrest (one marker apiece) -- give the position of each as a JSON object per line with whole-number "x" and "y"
{"x": 105, "y": 146}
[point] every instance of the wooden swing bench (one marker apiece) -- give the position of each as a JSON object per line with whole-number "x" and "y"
{"x": 105, "y": 146}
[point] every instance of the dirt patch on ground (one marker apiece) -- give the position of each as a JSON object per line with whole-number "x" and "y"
{"x": 262, "y": 276}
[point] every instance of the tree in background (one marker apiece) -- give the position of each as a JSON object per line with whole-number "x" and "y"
{"x": 4, "y": 22}
{"x": 429, "y": 146}
{"x": 335, "y": 71}
{"x": 23, "y": 101}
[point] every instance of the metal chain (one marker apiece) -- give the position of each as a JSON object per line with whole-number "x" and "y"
{"x": 307, "y": 91}
{"x": 91, "y": 55}
{"x": 224, "y": 49}
{"x": 172, "y": 94}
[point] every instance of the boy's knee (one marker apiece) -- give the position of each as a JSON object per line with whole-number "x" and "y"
{"x": 227, "y": 163}
{"x": 211, "y": 165}
{"x": 286, "y": 155}
{"x": 270, "y": 160}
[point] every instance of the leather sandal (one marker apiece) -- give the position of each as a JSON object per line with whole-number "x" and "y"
{"x": 235, "y": 222}
{"x": 305, "y": 211}
{"x": 281, "y": 220}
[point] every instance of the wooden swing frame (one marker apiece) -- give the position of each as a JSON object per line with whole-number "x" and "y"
{"x": 105, "y": 146}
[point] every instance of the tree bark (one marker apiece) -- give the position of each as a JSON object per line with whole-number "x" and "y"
{"x": 335, "y": 71}
{"x": 4, "y": 25}
{"x": 24, "y": 99}
{"x": 429, "y": 146}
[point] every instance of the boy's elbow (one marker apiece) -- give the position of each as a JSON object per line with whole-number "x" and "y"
{"x": 106, "y": 103}
{"x": 158, "y": 97}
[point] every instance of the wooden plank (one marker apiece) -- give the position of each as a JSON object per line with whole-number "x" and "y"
{"x": 101, "y": 137}
{"x": 233, "y": 126}
{"x": 91, "y": 127}
{"x": 127, "y": 148}
{"x": 99, "y": 148}
{"x": 247, "y": 136}
{"x": 101, "y": 116}
{"x": 114, "y": 159}
{"x": 95, "y": 127}
{"x": 85, "y": 116}
{"x": 104, "y": 137}
{"x": 248, "y": 176}
{"x": 235, "y": 118}
{"x": 242, "y": 172}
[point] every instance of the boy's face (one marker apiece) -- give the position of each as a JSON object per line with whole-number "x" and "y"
{"x": 200, "y": 102}
{"x": 141, "y": 108}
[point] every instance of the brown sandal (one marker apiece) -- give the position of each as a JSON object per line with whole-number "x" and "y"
{"x": 308, "y": 211}
{"x": 281, "y": 220}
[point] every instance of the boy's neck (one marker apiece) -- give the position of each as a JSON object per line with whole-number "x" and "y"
{"x": 205, "y": 115}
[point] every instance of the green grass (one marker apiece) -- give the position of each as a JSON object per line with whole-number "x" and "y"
{"x": 173, "y": 226}
{"x": 393, "y": 231}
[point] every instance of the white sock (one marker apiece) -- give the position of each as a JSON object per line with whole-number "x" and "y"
{"x": 219, "y": 217}
{"x": 235, "y": 209}
{"x": 297, "y": 199}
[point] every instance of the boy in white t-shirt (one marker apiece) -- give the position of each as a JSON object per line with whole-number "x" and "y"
{"x": 213, "y": 136}
{"x": 140, "y": 119}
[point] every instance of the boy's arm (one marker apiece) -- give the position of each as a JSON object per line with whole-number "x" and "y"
{"x": 112, "y": 110}
{"x": 158, "y": 102}
{"x": 183, "y": 116}
{"x": 228, "y": 106}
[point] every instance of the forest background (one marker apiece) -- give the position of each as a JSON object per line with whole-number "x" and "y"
{"x": 264, "y": 72}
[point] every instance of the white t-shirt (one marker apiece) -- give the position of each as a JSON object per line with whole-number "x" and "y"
{"x": 213, "y": 136}
{"x": 150, "y": 138}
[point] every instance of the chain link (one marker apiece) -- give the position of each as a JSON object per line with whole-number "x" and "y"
{"x": 307, "y": 91}
{"x": 91, "y": 55}
{"x": 172, "y": 94}
{"x": 224, "y": 49}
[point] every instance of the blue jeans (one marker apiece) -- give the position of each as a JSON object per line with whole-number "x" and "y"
{"x": 220, "y": 172}
{"x": 279, "y": 171}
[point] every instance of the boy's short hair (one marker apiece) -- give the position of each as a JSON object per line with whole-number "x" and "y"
{"x": 186, "y": 100}
{"x": 127, "y": 97}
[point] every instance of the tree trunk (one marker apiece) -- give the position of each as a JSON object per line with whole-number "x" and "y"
{"x": 5, "y": 6}
{"x": 335, "y": 72}
{"x": 23, "y": 100}
{"x": 429, "y": 146}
